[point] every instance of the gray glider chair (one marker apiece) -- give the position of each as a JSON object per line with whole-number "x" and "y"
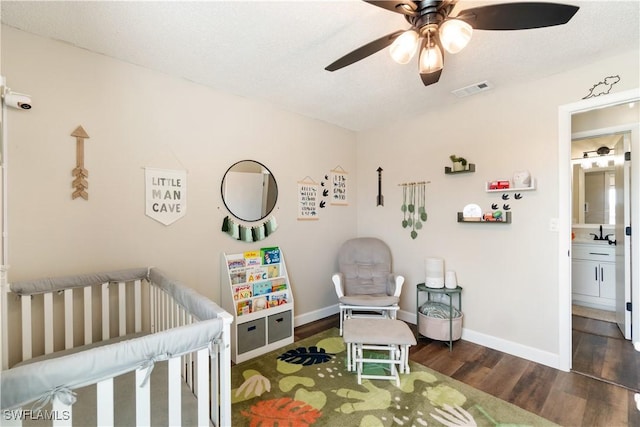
{"x": 365, "y": 284}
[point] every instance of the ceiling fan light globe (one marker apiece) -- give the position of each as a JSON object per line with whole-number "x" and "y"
{"x": 455, "y": 35}
{"x": 430, "y": 60}
{"x": 404, "y": 47}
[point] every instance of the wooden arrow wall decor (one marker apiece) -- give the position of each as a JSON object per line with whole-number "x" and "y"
{"x": 80, "y": 183}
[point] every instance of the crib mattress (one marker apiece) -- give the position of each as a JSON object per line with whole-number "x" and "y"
{"x": 84, "y": 410}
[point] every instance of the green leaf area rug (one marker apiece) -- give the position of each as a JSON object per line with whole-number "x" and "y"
{"x": 307, "y": 383}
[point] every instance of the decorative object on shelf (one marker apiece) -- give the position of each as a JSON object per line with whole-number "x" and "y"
{"x": 307, "y": 199}
{"x": 505, "y": 185}
{"x": 522, "y": 179}
{"x": 380, "y": 197}
{"x": 166, "y": 194}
{"x": 339, "y": 189}
{"x": 414, "y": 216}
{"x": 469, "y": 169}
{"x": 603, "y": 87}
{"x": 459, "y": 163}
{"x": 434, "y": 269}
{"x": 497, "y": 217}
{"x": 472, "y": 212}
{"x": 81, "y": 175}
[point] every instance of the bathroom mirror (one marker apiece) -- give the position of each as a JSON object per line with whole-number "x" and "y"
{"x": 593, "y": 188}
{"x": 249, "y": 190}
{"x": 594, "y": 195}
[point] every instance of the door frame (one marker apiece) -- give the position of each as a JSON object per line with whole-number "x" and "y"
{"x": 565, "y": 113}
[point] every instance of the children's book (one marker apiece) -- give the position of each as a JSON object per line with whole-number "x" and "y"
{"x": 239, "y": 276}
{"x": 261, "y": 288}
{"x": 252, "y": 258}
{"x": 276, "y": 300}
{"x": 273, "y": 271}
{"x": 278, "y": 285}
{"x": 235, "y": 261}
{"x": 244, "y": 307}
{"x": 260, "y": 303}
{"x": 255, "y": 274}
{"x": 242, "y": 291}
{"x": 270, "y": 255}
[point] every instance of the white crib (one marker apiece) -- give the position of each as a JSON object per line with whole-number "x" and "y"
{"x": 79, "y": 379}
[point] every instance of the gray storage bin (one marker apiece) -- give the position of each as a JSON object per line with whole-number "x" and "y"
{"x": 251, "y": 335}
{"x": 279, "y": 326}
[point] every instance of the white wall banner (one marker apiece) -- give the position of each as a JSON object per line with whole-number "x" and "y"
{"x": 166, "y": 194}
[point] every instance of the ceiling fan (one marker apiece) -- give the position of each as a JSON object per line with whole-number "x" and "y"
{"x": 432, "y": 30}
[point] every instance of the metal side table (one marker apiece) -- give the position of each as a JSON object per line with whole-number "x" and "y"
{"x": 421, "y": 287}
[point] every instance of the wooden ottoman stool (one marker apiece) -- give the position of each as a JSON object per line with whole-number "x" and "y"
{"x": 391, "y": 335}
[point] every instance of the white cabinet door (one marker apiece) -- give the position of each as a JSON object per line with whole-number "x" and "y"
{"x": 607, "y": 276}
{"x": 585, "y": 275}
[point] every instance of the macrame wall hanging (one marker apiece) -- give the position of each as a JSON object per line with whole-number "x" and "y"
{"x": 413, "y": 206}
{"x": 246, "y": 233}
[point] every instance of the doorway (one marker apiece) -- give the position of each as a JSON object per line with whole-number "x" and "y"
{"x": 566, "y": 114}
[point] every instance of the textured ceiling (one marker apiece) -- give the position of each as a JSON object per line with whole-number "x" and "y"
{"x": 277, "y": 51}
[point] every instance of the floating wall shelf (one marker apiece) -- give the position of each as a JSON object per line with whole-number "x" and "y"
{"x": 510, "y": 189}
{"x": 449, "y": 171}
{"x": 506, "y": 220}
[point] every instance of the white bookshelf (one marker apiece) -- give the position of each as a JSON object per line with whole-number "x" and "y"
{"x": 255, "y": 288}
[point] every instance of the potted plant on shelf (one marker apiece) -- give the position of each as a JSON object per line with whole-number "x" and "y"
{"x": 459, "y": 163}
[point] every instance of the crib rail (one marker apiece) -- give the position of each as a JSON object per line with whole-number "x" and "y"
{"x": 174, "y": 312}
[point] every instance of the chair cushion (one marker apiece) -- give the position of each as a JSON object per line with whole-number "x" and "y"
{"x": 366, "y": 265}
{"x": 370, "y": 300}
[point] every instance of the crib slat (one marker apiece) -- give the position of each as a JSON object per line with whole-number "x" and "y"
{"x": 68, "y": 318}
{"x": 137, "y": 300}
{"x": 174, "y": 403}
{"x": 26, "y": 327}
{"x": 48, "y": 323}
{"x": 105, "y": 312}
{"x": 203, "y": 387}
{"x": 143, "y": 399}
{"x": 88, "y": 316}
{"x": 122, "y": 309}
{"x": 104, "y": 396}
{"x": 152, "y": 308}
{"x": 189, "y": 357}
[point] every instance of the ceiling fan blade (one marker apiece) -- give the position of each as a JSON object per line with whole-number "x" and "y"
{"x": 363, "y": 51}
{"x": 431, "y": 78}
{"x": 518, "y": 16}
{"x": 405, "y": 7}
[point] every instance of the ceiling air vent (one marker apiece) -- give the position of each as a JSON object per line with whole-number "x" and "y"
{"x": 472, "y": 89}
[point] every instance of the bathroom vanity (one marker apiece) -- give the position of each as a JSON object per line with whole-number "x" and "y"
{"x": 593, "y": 272}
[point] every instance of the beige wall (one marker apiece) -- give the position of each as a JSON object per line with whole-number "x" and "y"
{"x": 509, "y": 272}
{"x": 136, "y": 118}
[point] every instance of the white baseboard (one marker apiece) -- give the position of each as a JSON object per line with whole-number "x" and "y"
{"x": 303, "y": 319}
{"x": 505, "y": 346}
{"x": 515, "y": 349}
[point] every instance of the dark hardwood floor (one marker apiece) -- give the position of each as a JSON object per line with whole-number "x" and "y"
{"x": 600, "y": 351}
{"x": 566, "y": 398}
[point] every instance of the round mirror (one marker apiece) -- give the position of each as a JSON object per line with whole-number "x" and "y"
{"x": 249, "y": 190}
